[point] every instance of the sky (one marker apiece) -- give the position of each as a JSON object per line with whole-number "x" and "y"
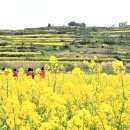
{"x": 19, "y": 14}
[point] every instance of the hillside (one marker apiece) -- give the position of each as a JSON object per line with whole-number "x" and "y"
{"x": 37, "y": 44}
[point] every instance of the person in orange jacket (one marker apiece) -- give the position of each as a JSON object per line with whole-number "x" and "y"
{"x": 42, "y": 73}
{"x": 4, "y": 72}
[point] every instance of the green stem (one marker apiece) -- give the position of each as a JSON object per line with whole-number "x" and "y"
{"x": 14, "y": 120}
{"x": 7, "y": 89}
{"x": 48, "y": 81}
{"x": 98, "y": 116}
{"x": 54, "y": 87}
{"x": 83, "y": 121}
{"x": 123, "y": 103}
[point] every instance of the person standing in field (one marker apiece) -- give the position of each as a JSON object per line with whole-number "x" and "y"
{"x": 15, "y": 73}
{"x": 30, "y": 72}
{"x": 42, "y": 73}
{"x": 4, "y": 71}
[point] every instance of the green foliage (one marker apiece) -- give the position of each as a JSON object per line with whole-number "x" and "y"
{"x": 73, "y": 23}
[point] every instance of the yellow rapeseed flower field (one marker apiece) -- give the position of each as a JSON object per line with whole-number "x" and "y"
{"x": 66, "y": 101}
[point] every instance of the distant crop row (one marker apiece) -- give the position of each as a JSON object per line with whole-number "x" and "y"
{"x": 42, "y": 58}
{"x": 18, "y": 54}
{"x": 38, "y": 36}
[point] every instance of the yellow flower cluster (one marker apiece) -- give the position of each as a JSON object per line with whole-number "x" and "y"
{"x": 93, "y": 66}
{"x": 118, "y": 66}
{"x": 53, "y": 59}
{"x": 80, "y": 101}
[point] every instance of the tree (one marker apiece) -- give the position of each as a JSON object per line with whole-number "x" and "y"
{"x": 73, "y": 23}
{"x": 83, "y": 24}
{"x": 49, "y": 25}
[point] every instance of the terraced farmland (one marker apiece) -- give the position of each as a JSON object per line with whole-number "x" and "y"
{"x": 31, "y": 46}
{"x": 66, "y": 43}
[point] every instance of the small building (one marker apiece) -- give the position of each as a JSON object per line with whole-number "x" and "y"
{"x": 123, "y": 24}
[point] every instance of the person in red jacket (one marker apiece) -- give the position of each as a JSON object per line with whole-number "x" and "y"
{"x": 42, "y": 73}
{"x": 15, "y": 73}
{"x": 30, "y": 72}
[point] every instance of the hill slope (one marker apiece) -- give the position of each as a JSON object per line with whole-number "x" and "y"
{"x": 37, "y": 44}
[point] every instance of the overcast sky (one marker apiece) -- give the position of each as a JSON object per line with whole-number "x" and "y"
{"x": 18, "y": 14}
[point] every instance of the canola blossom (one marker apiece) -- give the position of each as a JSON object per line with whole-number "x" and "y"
{"x": 66, "y": 101}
